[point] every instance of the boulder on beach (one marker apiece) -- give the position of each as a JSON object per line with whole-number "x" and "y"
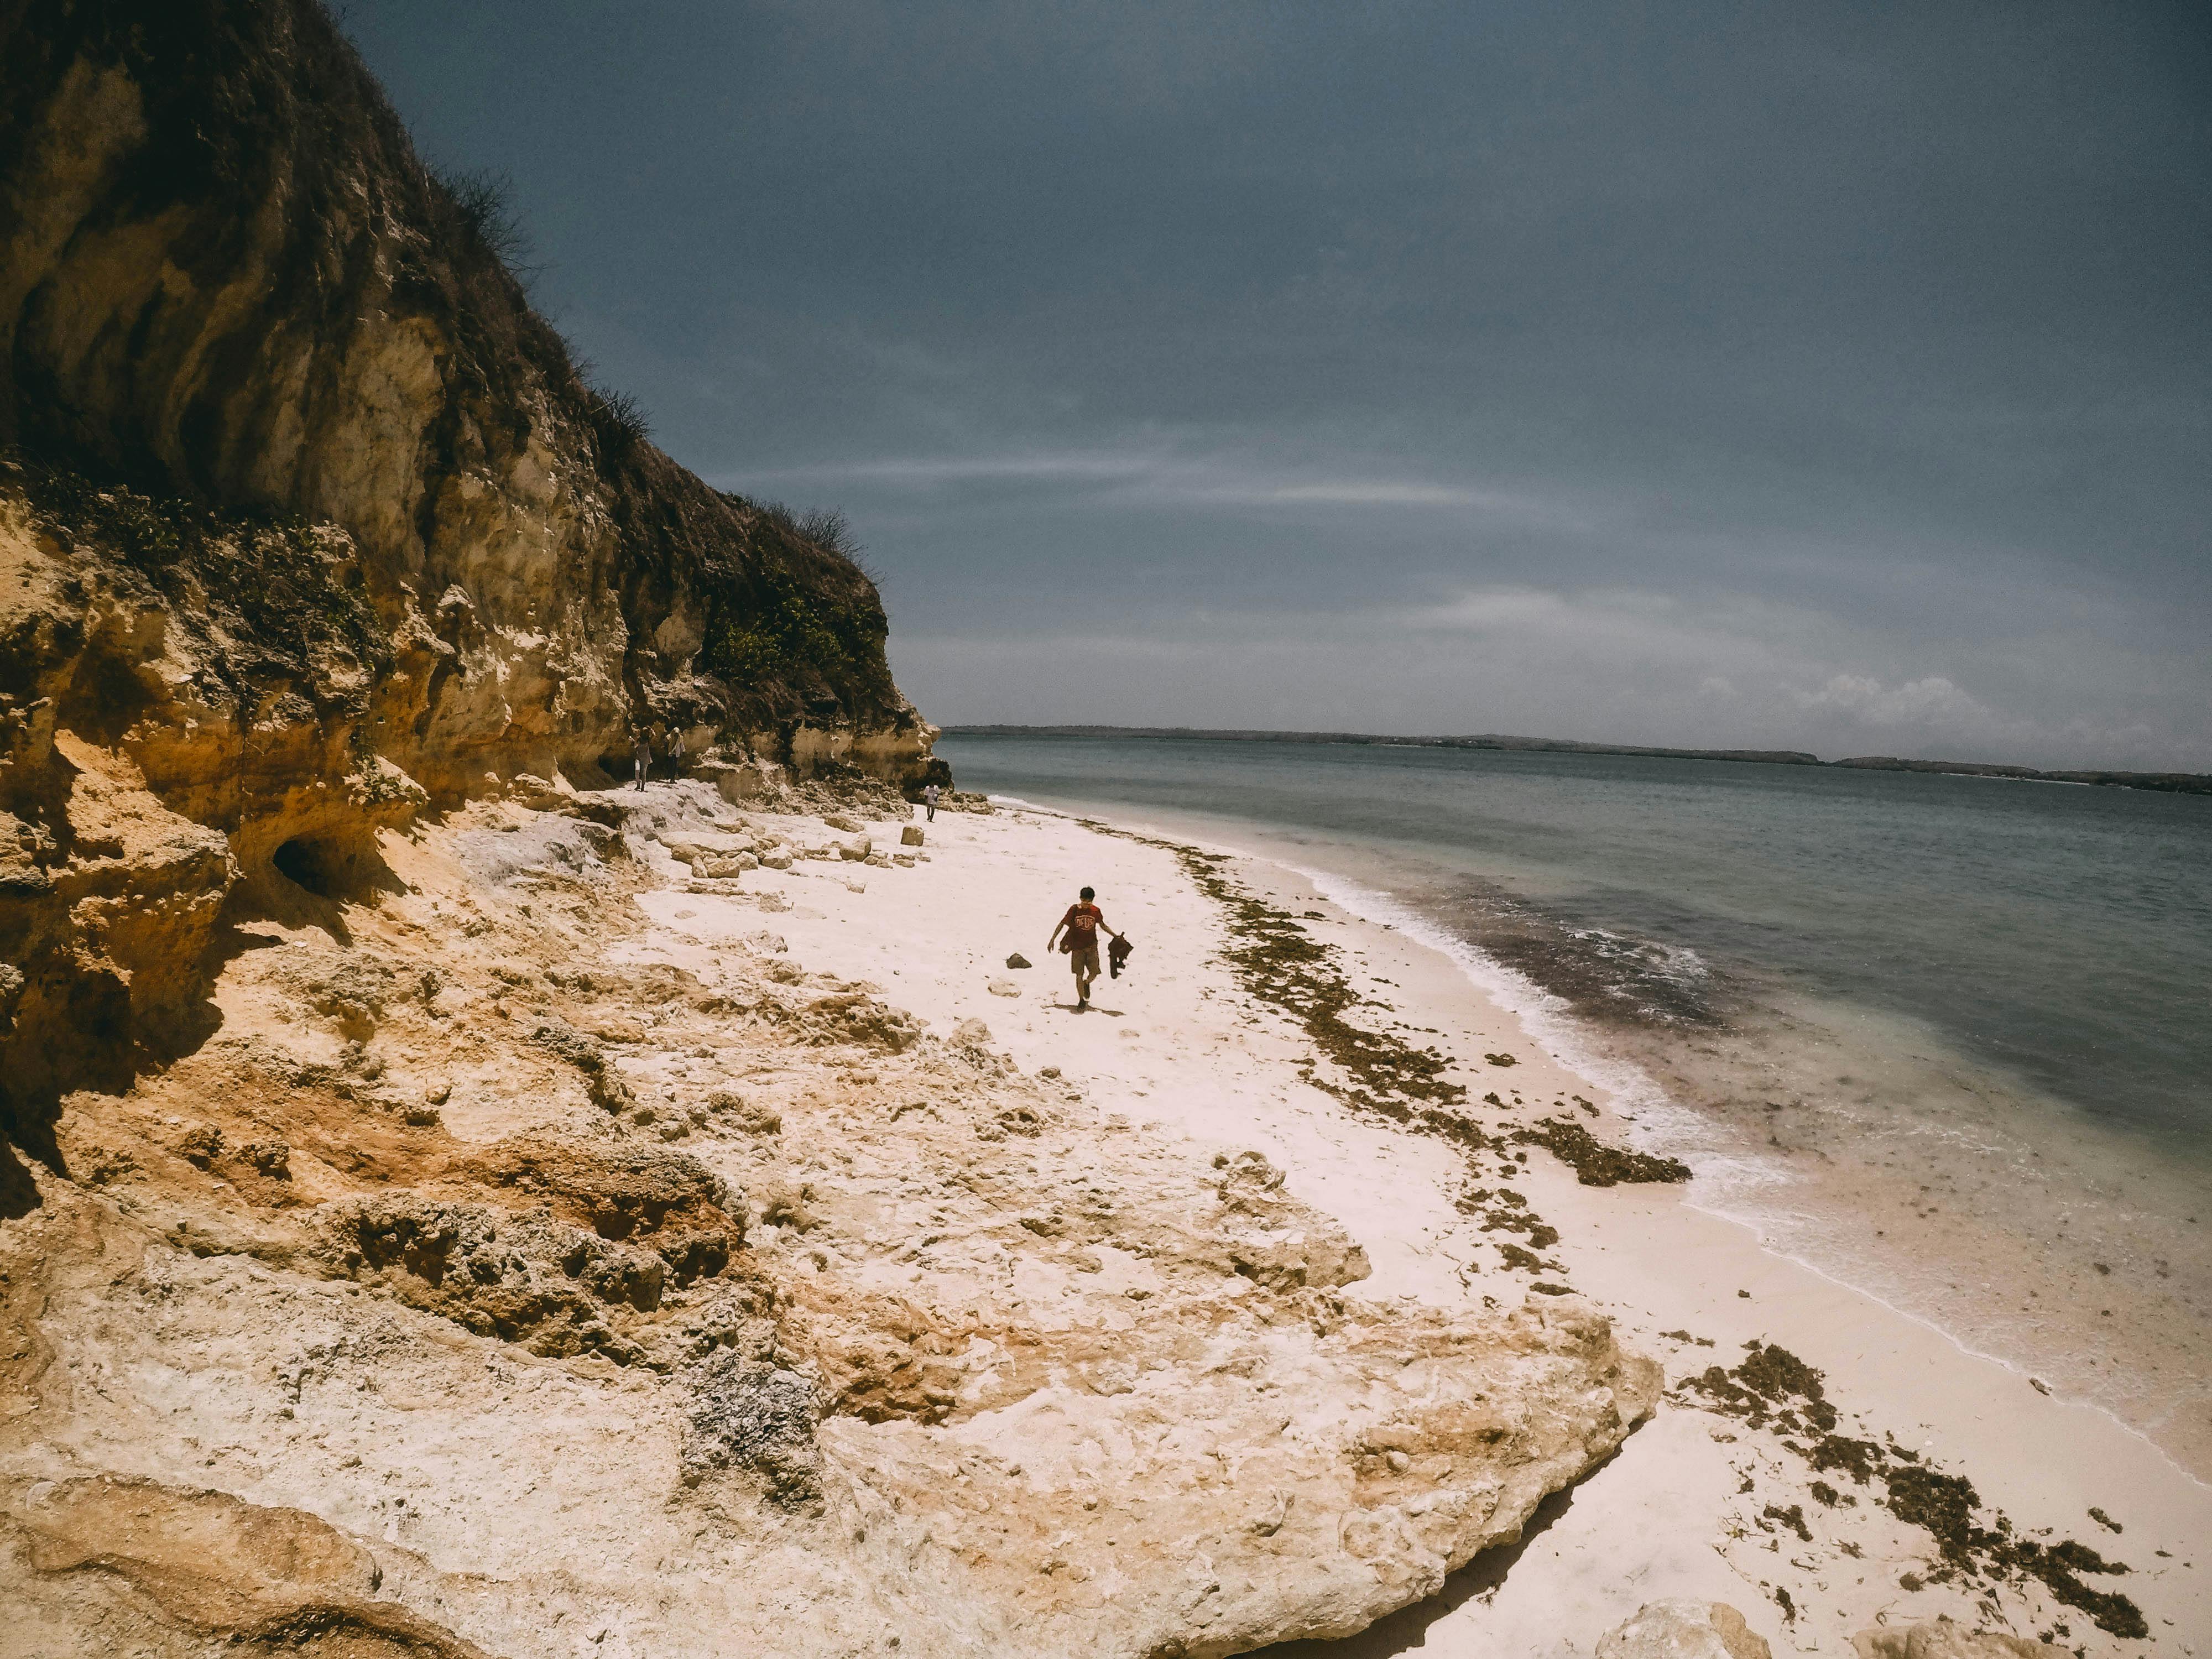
{"x": 1685, "y": 1630}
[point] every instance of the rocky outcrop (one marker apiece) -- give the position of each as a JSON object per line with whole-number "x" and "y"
{"x": 1685, "y": 1630}
{"x": 308, "y": 521}
{"x": 832, "y": 1329}
{"x": 227, "y": 280}
{"x": 179, "y": 1567}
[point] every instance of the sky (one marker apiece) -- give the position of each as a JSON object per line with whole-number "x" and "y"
{"x": 1828, "y": 377}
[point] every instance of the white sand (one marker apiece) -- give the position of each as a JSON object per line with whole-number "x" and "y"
{"x": 1184, "y": 1053}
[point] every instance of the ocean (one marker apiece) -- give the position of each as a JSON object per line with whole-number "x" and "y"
{"x": 1948, "y": 1039}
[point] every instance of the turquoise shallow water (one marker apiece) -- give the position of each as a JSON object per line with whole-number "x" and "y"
{"x": 2059, "y": 936}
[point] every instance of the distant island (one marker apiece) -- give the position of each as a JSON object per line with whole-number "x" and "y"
{"x": 2177, "y": 783}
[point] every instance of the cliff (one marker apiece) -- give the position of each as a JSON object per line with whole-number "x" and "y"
{"x": 309, "y": 523}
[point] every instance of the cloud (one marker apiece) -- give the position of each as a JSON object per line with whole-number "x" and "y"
{"x": 934, "y": 471}
{"x": 1614, "y": 664}
{"x": 1932, "y": 701}
{"x": 1163, "y": 478}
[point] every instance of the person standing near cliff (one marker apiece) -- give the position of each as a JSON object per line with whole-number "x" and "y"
{"x": 929, "y": 800}
{"x": 1082, "y": 924}
{"x": 641, "y": 759}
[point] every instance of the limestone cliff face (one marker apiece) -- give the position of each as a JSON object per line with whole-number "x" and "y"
{"x": 309, "y": 522}
{"x": 224, "y": 274}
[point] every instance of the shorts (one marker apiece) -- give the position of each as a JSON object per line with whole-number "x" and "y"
{"x": 1078, "y": 961}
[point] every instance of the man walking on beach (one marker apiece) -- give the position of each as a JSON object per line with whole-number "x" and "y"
{"x": 929, "y": 799}
{"x": 1082, "y": 923}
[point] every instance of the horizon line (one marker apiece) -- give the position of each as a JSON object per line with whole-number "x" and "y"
{"x": 2164, "y": 782}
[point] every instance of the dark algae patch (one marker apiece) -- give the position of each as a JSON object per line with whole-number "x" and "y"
{"x": 1596, "y": 1164}
{"x": 1773, "y": 1386}
{"x": 1278, "y": 961}
{"x": 1506, "y": 1211}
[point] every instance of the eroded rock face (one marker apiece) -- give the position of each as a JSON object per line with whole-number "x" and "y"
{"x": 224, "y": 272}
{"x": 103, "y": 1550}
{"x": 1685, "y": 1630}
{"x": 308, "y": 521}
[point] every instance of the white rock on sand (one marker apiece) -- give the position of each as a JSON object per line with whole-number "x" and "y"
{"x": 1685, "y": 1630}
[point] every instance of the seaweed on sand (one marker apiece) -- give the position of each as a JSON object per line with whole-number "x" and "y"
{"x": 1596, "y": 1164}
{"x": 1280, "y": 962}
{"x": 1773, "y": 1385}
{"x": 1374, "y": 1072}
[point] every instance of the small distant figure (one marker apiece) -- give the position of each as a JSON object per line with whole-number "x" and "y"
{"x": 929, "y": 800}
{"x": 641, "y": 760}
{"x": 676, "y": 752}
{"x": 1081, "y": 924}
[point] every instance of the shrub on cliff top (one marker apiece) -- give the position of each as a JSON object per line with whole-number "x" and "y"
{"x": 618, "y": 419}
{"x": 482, "y": 205}
{"x": 268, "y": 580}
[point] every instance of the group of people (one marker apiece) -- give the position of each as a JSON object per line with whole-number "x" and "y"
{"x": 642, "y": 756}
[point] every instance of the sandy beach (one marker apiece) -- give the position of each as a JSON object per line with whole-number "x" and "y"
{"x": 1689, "y": 1507}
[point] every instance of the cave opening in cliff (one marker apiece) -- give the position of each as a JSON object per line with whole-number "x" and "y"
{"x": 311, "y": 863}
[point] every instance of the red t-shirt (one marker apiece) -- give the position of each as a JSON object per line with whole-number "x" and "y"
{"x": 1083, "y": 922}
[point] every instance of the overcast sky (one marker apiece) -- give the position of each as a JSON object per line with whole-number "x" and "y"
{"x": 1828, "y": 377}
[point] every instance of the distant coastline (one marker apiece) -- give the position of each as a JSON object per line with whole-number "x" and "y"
{"x": 2177, "y": 783}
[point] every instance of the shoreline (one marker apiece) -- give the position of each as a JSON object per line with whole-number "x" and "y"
{"x": 1974, "y": 1415}
{"x": 2171, "y": 783}
{"x": 1550, "y": 1021}
{"x": 1826, "y": 1197}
